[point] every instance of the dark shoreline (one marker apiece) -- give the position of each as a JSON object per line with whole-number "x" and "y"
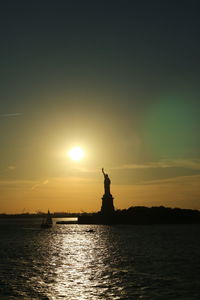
{"x": 138, "y": 215}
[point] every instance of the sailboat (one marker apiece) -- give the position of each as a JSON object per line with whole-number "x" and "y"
{"x": 47, "y": 223}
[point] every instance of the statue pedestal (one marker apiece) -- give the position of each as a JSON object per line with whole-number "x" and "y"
{"x": 107, "y": 208}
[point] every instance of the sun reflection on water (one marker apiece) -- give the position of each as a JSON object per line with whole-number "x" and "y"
{"x": 78, "y": 262}
{"x": 81, "y": 265}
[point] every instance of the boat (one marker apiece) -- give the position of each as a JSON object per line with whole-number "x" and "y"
{"x": 47, "y": 223}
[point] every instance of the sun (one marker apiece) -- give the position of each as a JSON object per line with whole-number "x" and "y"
{"x": 76, "y": 153}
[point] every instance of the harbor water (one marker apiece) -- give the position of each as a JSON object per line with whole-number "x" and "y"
{"x": 98, "y": 262}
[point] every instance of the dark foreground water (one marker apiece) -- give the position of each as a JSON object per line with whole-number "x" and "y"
{"x": 112, "y": 262}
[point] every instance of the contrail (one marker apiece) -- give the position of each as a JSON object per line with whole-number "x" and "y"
{"x": 10, "y": 115}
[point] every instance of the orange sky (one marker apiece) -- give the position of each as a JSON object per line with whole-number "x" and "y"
{"x": 76, "y": 194}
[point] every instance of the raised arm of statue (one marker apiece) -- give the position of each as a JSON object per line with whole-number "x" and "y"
{"x": 106, "y": 183}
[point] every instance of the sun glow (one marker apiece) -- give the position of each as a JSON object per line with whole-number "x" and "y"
{"x": 76, "y": 153}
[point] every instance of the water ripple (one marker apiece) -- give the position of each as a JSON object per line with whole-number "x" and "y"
{"x": 79, "y": 262}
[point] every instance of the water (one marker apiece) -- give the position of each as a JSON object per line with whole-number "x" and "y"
{"x": 79, "y": 262}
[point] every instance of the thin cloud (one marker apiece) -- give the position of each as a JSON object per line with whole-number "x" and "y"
{"x": 39, "y": 184}
{"x": 16, "y": 182}
{"x": 192, "y": 179}
{"x": 193, "y": 164}
{"x": 10, "y": 115}
{"x": 11, "y": 168}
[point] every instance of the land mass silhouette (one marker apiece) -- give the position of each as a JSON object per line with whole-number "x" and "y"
{"x": 134, "y": 215}
{"x": 138, "y": 214}
{"x": 141, "y": 215}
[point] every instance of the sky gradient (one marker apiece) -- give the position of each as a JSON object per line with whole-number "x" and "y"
{"x": 119, "y": 79}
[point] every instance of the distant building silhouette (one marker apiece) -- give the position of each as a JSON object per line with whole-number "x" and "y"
{"x": 107, "y": 208}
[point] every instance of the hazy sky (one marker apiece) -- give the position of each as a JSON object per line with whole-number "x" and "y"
{"x": 119, "y": 79}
